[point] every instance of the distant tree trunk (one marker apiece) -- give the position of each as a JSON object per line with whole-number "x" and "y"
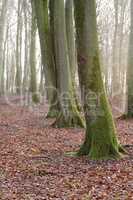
{"x": 7, "y": 62}
{"x": 121, "y": 35}
{"x": 42, "y": 15}
{"x": 2, "y": 85}
{"x": 2, "y": 31}
{"x": 107, "y": 55}
{"x": 26, "y": 44}
{"x": 12, "y": 73}
{"x": 100, "y": 141}
{"x": 115, "y": 66}
{"x": 69, "y": 115}
{"x": 18, "y": 66}
{"x": 33, "y": 81}
{"x": 41, "y": 84}
{"x": 130, "y": 69}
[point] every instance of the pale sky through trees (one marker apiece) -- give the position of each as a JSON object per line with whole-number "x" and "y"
{"x": 105, "y": 20}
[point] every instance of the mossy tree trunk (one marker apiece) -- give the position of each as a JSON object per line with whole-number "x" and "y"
{"x": 33, "y": 81}
{"x": 54, "y": 108}
{"x": 101, "y": 141}
{"x": 42, "y": 15}
{"x": 69, "y": 115}
{"x": 130, "y": 69}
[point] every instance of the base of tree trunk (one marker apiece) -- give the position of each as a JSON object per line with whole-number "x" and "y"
{"x": 114, "y": 155}
{"x": 35, "y": 98}
{"x": 52, "y": 113}
{"x": 74, "y": 120}
{"x": 103, "y": 152}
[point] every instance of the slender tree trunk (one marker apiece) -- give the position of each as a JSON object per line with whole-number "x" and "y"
{"x": 12, "y": 73}
{"x": 7, "y": 62}
{"x": 33, "y": 81}
{"x": 69, "y": 115}
{"x": 2, "y": 31}
{"x": 18, "y": 66}
{"x": 2, "y": 85}
{"x": 42, "y": 15}
{"x": 115, "y": 66}
{"x": 71, "y": 46}
{"x": 26, "y": 44}
{"x": 121, "y": 64}
{"x": 100, "y": 141}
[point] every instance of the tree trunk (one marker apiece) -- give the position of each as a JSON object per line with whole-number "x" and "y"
{"x": 18, "y": 60}
{"x": 130, "y": 69}
{"x": 2, "y": 31}
{"x": 69, "y": 115}
{"x": 101, "y": 141}
{"x": 41, "y": 8}
{"x": 71, "y": 47}
{"x": 2, "y": 85}
{"x": 115, "y": 66}
{"x": 26, "y": 53}
{"x": 33, "y": 81}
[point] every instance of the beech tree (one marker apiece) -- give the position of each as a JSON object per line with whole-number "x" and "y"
{"x": 100, "y": 141}
{"x": 42, "y": 15}
{"x": 18, "y": 49}
{"x": 69, "y": 115}
{"x": 70, "y": 30}
{"x": 130, "y": 69}
{"x": 56, "y": 63}
{"x": 2, "y": 30}
{"x": 115, "y": 68}
{"x": 27, "y": 34}
{"x": 33, "y": 79}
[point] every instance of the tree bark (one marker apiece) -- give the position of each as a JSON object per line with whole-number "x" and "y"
{"x": 18, "y": 52}
{"x": 42, "y": 15}
{"x": 130, "y": 69}
{"x": 26, "y": 53}
{"x": 69, "y": 115}
{"x": 115, "y": 67}
{"x": 33, "y": 81}
{"x": 70, "y": 30}
{"x": 101, "y": 141}
{"x": 2, "y": 31}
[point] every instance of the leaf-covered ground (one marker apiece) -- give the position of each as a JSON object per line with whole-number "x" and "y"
{"x": 33, "y": 165}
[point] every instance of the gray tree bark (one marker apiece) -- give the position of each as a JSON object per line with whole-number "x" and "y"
{"x": 2, "y": 31}
{"x": 33, "y": 79}
{"x": 69, "y": 115}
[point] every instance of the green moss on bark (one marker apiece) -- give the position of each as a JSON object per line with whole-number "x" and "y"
{"x": 53, "y": 111}
{"x": 35, "y": 98}
{"x": 100, "y": 141}
{"x": 70, "y": 119}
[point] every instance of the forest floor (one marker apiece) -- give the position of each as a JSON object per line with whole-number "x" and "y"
{"x": 33, "y": 165}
